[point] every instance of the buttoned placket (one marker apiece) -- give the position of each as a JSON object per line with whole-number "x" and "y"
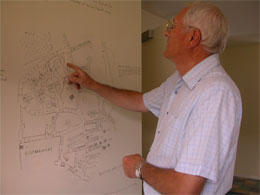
{"x": 173, "y": 95}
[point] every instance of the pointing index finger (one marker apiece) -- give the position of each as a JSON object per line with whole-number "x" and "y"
{"x": 76, "y": 68}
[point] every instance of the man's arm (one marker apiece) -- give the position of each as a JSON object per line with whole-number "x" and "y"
{"x": 130, "y": 100}
{"x": 165, "y": 181}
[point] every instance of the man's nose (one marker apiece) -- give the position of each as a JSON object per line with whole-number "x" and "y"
{"x": 166, "y": 33}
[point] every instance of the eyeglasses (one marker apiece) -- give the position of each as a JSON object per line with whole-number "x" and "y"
{"x": 170, "y": 25}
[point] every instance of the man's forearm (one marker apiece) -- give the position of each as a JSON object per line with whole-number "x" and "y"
{"x": 130, "y": 100}
{"x": 168, "y": 181}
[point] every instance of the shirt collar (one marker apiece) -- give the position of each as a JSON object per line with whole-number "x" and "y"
{"x": 192, "y": 77}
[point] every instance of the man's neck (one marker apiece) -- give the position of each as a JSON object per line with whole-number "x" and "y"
{"x": 186, "y": 62}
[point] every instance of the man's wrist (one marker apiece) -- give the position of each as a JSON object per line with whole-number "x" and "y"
{"x": 138, "y": 172}
{"x": 95, "y": 86}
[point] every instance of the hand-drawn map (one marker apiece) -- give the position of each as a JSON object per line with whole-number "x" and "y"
{"x": 56, "y": 139}
{"x": 75, "y": 127}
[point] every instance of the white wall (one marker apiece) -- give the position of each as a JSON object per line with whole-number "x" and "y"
{"x": 56, "y": 139}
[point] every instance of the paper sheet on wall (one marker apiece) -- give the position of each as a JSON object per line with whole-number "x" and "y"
{"x": 56, "y": 139}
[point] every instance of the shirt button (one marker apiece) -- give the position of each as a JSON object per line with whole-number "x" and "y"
{"x": 159, "y": 132}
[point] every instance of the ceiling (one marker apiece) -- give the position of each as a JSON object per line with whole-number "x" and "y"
{"x": 243, "y": 16}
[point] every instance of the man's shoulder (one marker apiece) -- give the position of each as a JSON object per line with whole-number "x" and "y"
{"x": 218, "y": 80}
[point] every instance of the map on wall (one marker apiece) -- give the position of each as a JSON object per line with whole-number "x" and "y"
{"x": 71, "y": 140}
{"x": 69, "y": 129}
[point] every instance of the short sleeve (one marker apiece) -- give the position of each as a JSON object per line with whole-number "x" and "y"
{"x": 211, "y": 132}
{"x": 154, "y": 99}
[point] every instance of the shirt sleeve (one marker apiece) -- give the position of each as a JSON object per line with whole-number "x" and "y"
{"x": 153, "y": 99}
{"x": 211, "y": 133}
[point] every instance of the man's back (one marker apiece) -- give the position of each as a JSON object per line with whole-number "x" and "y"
{"x": 199, "y": 122}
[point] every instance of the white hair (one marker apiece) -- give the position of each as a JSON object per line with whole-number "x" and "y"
{"x": 211, "y": 23}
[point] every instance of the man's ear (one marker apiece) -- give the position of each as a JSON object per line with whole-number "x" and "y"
{"x": 195, "y": 37}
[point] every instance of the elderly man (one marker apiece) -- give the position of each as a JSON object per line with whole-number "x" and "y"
{"x": 199, "y": 110}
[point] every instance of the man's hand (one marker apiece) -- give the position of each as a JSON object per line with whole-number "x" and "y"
{"x": 80, "y": 78}
{"x": 130, "y": 100}
{"x": 130, "y": 163}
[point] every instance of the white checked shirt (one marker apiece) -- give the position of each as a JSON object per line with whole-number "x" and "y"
{"x": 199, "y": 123}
